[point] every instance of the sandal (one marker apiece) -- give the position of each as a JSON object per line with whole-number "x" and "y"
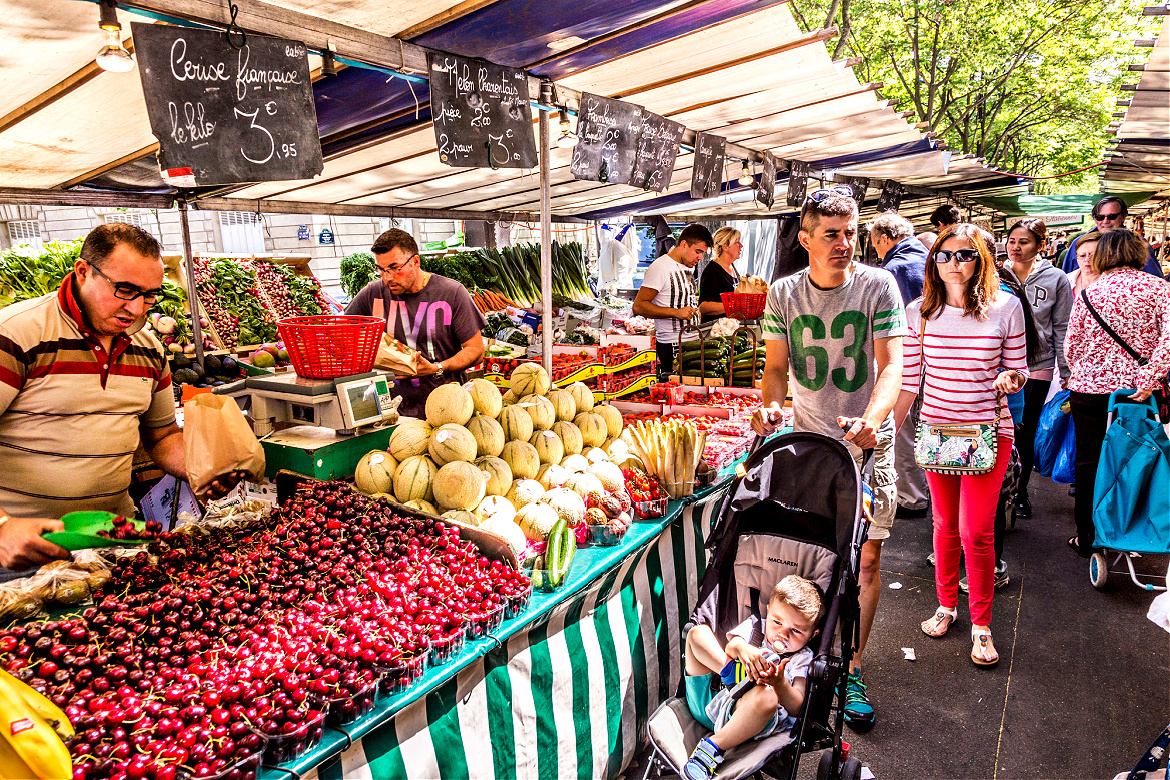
{"x": 1075, "y": 545}
{"x": 981, "y": 640}
{"x": 938, "y": 625}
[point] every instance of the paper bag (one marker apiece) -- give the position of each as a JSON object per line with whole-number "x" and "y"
{"x": 218, "y": 439}
{"x": 395, "y": 356}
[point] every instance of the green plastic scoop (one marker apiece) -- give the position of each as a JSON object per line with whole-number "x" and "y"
{"x": 81, "y": 531}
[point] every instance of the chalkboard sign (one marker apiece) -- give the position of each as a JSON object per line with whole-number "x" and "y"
{"x": 766, "y": 194}
{"x": 227, "y": 116}
{"x": 797, "y": 183}
{"x": 657, "y": 150}
{"x": 481, "y": 113}
{"x": 707, "y": 175}
{"x": 859, "y": 185}
{"x": 891, "y": 197}
{"x": 607, "y": 140}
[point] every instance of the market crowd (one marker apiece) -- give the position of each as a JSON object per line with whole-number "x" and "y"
{"x": 947, "y": 328}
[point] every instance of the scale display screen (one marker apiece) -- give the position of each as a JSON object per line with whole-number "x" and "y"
{"x": 363, "y": 402}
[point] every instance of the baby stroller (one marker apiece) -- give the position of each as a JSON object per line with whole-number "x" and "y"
{"x": 796, "y": 508}
{"x": 1131, "y": 497}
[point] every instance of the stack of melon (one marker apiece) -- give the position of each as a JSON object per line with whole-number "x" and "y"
{"x": 534, "y": 449}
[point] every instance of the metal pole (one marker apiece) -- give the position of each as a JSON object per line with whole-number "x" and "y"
{"x": 545, "y": 245}
{"x": 192, "y": 294}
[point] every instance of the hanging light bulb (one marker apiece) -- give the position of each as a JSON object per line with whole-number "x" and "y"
{"x": 746, "y": 177}
{"x": 113, "y": 56}
{"x": 567, "y": 139}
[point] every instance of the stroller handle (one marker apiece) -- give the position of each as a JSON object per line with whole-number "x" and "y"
{"x": 868, "y": 462}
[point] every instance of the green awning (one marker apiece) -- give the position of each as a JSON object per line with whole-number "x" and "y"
{"x": 1042, "y": 205}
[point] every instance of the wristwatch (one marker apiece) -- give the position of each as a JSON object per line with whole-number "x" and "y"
{"x": 439, "y": 373}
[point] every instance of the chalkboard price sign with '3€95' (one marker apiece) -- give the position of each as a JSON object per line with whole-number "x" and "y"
{"x": 224, "y": 115}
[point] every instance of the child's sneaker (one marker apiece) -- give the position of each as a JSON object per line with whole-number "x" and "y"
{"x": 733, "y": 673}
{"x": 704, "y": 761}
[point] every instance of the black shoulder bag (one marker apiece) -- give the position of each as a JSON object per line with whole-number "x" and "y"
{"x": 1162, "y": 394}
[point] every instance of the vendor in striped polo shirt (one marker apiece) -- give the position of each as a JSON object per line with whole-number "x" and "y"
{"x": 81, "y": 386}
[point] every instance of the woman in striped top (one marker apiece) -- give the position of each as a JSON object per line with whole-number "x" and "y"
{"x": 973, "y": 351}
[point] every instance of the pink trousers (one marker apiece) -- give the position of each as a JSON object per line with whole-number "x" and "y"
{"x": 964, "y": 518}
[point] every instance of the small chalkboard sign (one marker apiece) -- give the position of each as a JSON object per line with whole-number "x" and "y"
{"x": 859, "y": 185}
{"x": 707, "y": 174}
{"x": 798, "y": 183}
{"x": 766, "y": 194}
{"x": 224, "y": 115}
{"x": 607, "y": 140}
{"x": 481, "y": 113}
{"x": 891, "y": 196}
{"x": 657, "y": 150}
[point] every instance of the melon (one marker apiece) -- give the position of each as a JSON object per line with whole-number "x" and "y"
{"x": 628, "y": 460}
{"x": 582, "y": 396}
{"x": 451, "y": 442}
{"x": 497, "y": 473}
{"x": 536, "y": 520}
{"x": 612, "y": 417}
{"x": 584, "y": 483}
{"x": 524, "y": 492}
{"x": 549, "y": 448}
{"x": 570, "y": 437}
{"x": 595, "y": 455}
{"x": 594, "y": 430}
{"x": 508, "y": 531}
{"x": 488, "y": 433}
{"x": 563, "y": 403}
{"x": 509, "y": 398}
{"x": 522, "y": 458}
{"x": 409, "y": 439}
{"x": 610, "y": 475}
{"x": 375, "y": 472}
{"x": 615, "y": 447}
{"x": 540, "y": 409}
{"x": 485, "y": 397}
{"x": 412, "y": 479}
{"x": 449, "y": 403}
{"x": 419, "y": 505}
{"x": 495, "y": 507}
{"x": 574, "y": 463}
{"x": 528, "y": 379}
{"x": 516, "y": 422}
{"x": 461, "y": 516}
{"x": 552, "y": 476}
{"x": 459, "y": 485}
{"x": 569, "y": 506}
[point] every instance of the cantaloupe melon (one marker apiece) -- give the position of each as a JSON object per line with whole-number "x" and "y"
{"x": 409, "y": 438}
{"x": 570, "y": 436}
{"x": 509, "y": 398}
{"x": 552, "y": 476}
{"x": 461, "y": 516}
{"x": 582, "y": 396}
{"x": 575, "y": 463}
{"x": 548, "y": 447}
{"x": 524, "y": 492}
{"x": 536, "y": 520}
{"x": 610, "y": 475}
{"x": 582, "y": 483}
{"x": 459, "y": 485}
{"x": 497, "y": 473}
{"x": 540, "y": 409}
{"x": 612, "y": 417}
{"x": 375, "y": 472}
{"x": 595, "y": 455}
{"x": 422, "y": 506}
{"x": 485, "y": 396}
{"x": 516, "y": 422}
{"x": 449, "y": 403}
{"x": 451, "y": 442}
{"x": 522, "y": 458}
{"x": 508, "y": 531}
{"x": 569, "y": 506}
{"x": 615, "y": 447}
{"x": 593, "y": 428}
{"x": 412, "y": 479}
{"x": 529, "y": 378}
{"x": 488, "y": 433}
{"x": 495, "y": 507}
{"x": 564, "y": 405}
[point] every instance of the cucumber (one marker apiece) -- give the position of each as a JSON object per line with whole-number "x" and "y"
{"x": 568, "y": 552}
{"x": 562, "y": 544}
{"x": 747, "y": 353}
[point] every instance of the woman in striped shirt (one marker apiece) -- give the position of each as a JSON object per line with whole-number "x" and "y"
{"x": 973, "y": 351}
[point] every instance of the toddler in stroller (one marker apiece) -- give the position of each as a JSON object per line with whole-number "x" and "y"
{"x": 777, "y": 668}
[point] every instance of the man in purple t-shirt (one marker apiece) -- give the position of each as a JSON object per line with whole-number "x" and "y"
{"x": 425, "y": 311}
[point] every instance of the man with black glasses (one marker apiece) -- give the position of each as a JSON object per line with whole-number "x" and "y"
{"x": 82, "y": 385}
{"x": 1109, "y": 213}
{"x": 427, "y": 312}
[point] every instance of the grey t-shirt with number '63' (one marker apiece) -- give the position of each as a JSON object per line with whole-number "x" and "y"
{"x": 830, "y": 335}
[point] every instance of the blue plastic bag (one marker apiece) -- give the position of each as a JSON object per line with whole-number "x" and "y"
{"x": 1131, "y": 497}
{"x": 1064, "y": 469}
{"x": 1050, "y": 433}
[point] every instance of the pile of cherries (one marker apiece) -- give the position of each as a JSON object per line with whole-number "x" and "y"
{"x": 123, "y": 530}
{"x": 204, "y": 647}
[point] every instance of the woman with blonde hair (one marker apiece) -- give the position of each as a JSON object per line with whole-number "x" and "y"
{"x": 966, "y": 349}
{"x": 720, "y": 275}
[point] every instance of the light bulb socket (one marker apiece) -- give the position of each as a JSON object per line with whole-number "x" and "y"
{"x": 564, "y": 118}
{"x": 109, "y": 15}
{"x": 328, "y": 64}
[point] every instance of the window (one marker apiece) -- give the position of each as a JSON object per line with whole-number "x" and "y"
{"x": 25, "y": 232}
{"x": 144, "y": 220}
{"x": 242, "y": 232}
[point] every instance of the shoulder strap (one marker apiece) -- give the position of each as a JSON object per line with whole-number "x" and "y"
{"x": 1133, "y": 353}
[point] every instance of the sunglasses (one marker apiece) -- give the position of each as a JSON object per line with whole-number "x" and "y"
{"x": 943, "y": 256}
{"x": 828, "y": 192}
{"x": 1108, "y": 217}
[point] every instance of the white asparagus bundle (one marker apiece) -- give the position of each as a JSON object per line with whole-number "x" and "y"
{"x": 670, "y": 451}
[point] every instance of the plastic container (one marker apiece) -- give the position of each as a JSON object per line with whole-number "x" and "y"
{"x": 482, "y": 625}
{"x": 444, "y": 648}
{"x": 519, "y": 601}
{"x": 607, "y": 535}
{"x": 405, "y": 673}
{"x": 286, "y": 747}
{"x": 746, "y": 305}
{"x": 345, "y": 709}
{"x": 242, "y": 768}
{"x": 648, "y": 510}
{"x": 326, "y": 347}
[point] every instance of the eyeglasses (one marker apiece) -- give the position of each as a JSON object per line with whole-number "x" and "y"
{"x": 393, "y": 269}
{"x": 128, "y": 292}
{"x": 828, "y": 192}
{"x": 943, "y": 256}
{"x": 1108, "y": 217}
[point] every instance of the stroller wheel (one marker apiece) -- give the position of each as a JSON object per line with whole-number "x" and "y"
{"x": 851, "y": 769}
{"x": 825, "y": 768}
{"x": 1098, "y": 570}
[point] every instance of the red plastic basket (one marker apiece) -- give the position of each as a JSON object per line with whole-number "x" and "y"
{"x": 326, "y": 347}
{"x": 746, "y": 305}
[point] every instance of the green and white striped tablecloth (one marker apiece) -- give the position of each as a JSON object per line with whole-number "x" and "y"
{"x": 567, "y": 698}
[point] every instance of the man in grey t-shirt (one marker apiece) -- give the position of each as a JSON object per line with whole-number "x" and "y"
{"x": 838, "y": 326}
